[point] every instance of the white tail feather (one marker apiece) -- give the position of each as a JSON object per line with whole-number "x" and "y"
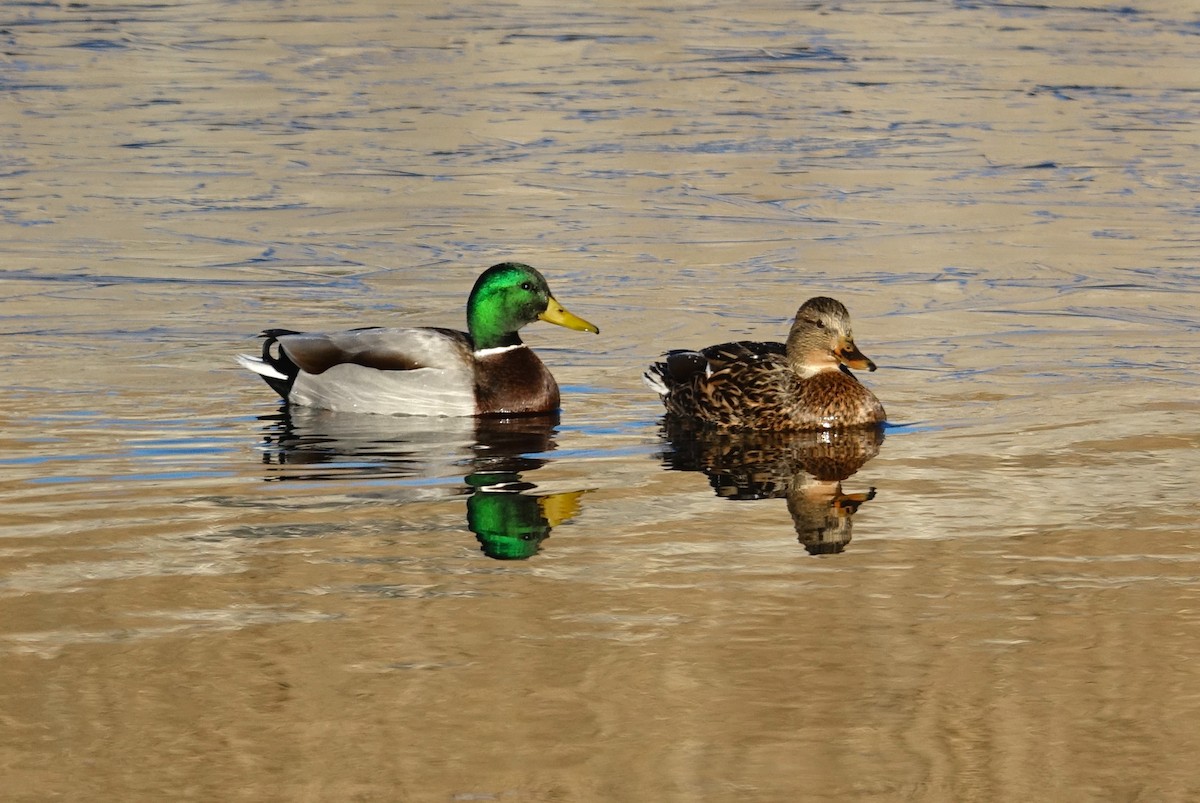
{"x": 654, "y": 380}
{"x": 259, "y": 367}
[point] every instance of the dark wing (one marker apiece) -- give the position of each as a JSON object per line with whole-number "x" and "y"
{"x": 377, "y": 347}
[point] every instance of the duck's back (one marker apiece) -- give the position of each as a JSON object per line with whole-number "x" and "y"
{"x": 417, "y": 371}
{"x": 728, "y": 386}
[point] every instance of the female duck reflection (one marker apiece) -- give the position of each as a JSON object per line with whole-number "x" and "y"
{"x": 806, "y": 468}
{"x": 508, "y": 520}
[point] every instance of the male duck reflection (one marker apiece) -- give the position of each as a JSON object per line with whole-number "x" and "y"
{"x": 427, "y": 371}
{"x": 508, "y": 522}
{"x": 422, "y": 457}
{"x": 804, "y": 384}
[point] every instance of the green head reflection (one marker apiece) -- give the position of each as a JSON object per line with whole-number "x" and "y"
{"x": 510, "y": 524}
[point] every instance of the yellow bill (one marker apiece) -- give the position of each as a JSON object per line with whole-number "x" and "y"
{"x": 555, "y": 313}
{"x": 557, "y": 508}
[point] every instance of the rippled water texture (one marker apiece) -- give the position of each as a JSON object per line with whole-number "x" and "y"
{"x": 204, "y": 597}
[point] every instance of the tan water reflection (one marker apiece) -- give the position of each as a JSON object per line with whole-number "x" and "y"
{"x": 806, "y": 469}
{"x": 1004, "y": 195}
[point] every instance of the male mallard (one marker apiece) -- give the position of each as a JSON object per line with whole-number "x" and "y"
{"x": 803, "y": 385}
{"x": 427, "y": 371}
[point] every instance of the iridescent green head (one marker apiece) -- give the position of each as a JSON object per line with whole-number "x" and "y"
{"x": 508, "y": 296}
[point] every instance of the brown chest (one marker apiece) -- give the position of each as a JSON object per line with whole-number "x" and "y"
{"x": 834, "y": 399}
{"x": 514, "y": 382}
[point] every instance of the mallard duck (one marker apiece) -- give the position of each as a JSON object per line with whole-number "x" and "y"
{"x": 427, "y": 371}
{"x": 804, "y": 384}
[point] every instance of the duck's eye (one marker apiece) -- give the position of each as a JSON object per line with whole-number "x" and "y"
{"x": 526, "y": 286}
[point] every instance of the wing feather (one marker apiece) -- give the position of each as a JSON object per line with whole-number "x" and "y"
{"x": 423, "y": 371}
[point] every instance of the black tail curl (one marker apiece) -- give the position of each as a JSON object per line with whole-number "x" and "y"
{"x": 279, "y": 360}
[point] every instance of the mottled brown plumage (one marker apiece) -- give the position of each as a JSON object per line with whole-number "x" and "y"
{"x": 804, "y": 384}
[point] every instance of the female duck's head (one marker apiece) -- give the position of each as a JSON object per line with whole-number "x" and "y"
{"x": 821, "y": 340}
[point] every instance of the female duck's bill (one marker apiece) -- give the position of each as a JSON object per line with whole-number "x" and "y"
{"x": 428, "y": 370}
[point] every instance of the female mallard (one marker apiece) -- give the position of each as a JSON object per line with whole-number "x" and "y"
{"x": 427, "y": 371}
{"x": 803, "y": 385}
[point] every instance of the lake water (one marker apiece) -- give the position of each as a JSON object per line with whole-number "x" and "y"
{"x": 203, "y": 597}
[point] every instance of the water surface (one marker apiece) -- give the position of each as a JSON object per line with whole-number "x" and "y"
{"x": 203, "y": 596}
